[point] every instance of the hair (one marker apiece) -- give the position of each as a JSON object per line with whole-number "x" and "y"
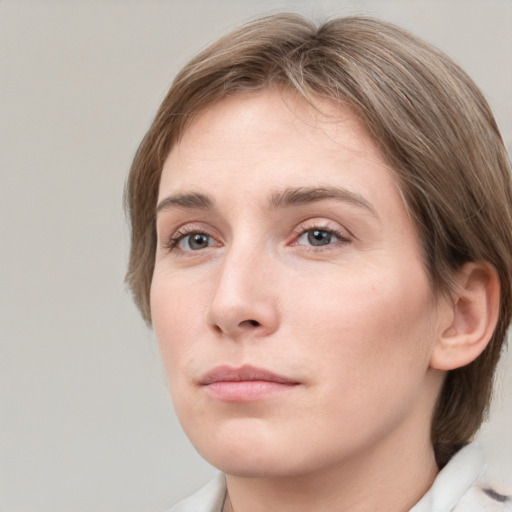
{"x": 426, "y": 115}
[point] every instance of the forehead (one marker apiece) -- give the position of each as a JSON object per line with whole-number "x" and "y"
{"x": 270, "y": 127}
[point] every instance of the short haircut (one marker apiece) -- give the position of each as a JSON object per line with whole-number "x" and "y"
{"x": 426, "y": 115}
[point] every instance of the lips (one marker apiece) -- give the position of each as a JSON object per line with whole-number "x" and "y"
{"x": 244, "y": 373}
{"x": 244, "y": 384}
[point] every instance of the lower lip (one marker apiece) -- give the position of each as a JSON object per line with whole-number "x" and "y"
{"x": 246, "y": 390}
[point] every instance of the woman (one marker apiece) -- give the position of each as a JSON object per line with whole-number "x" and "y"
{"x": 321, "y": 230}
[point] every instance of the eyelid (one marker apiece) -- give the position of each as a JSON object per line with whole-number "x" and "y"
{"x": 170, "y": 242}
{"x": 340, "y": 232}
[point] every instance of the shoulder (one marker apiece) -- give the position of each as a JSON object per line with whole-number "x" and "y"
{"x": 209, "y": 498}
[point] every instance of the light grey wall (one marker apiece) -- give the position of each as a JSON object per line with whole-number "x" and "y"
{"x": 85, "y": 418}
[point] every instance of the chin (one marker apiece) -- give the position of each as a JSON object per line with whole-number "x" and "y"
{"x": 248, "y": 450}
{"x": 247, "y": 464}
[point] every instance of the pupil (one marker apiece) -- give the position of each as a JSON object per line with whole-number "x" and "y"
{"x": 198, "y": 241}
{"x": 319, "y": 237}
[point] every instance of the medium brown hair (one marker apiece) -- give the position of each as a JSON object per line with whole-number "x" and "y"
{"x": 431, "y": 123}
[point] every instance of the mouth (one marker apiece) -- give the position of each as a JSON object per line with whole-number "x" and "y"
{"x": 244, "y": 384}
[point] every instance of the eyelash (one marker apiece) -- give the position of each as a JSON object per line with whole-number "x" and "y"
{"x": 300, "y": 231}
{"x": 182, "y": 233}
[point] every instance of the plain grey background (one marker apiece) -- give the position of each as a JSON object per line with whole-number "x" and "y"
{"x": 85, "y": 417}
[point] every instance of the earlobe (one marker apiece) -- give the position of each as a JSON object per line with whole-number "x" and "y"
{"x": 473, "y": 317}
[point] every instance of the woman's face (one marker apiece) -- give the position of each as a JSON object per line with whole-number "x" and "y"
{"x": 289, "y": 296}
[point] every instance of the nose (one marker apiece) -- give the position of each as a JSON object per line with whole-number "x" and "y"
{"x": 244, "y": 301}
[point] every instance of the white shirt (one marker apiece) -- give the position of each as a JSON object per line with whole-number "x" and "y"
{"x": 457, "y": 488}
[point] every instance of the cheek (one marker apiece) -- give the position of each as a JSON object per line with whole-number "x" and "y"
{"x": 367, "y": 322}
{"x": 175, "y": 314}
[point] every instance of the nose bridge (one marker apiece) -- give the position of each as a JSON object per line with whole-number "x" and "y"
{"x": 243, "y": 299}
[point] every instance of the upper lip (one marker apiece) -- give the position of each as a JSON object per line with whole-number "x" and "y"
{"x": 243, "y": 373}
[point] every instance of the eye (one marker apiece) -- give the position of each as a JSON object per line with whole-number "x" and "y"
{"x": 193, "y": 241}
{"x": 317, "y": 237}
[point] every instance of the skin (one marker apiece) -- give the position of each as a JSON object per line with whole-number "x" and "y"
{"x": 353, "y": 323}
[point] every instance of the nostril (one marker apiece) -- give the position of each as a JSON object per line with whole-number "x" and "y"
{"x": 254, "y": 323}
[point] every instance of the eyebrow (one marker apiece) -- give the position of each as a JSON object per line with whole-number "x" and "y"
{"x": 306, "y": 195}
{"x": 283, "y": 199}
{"x": 190, "y": 200}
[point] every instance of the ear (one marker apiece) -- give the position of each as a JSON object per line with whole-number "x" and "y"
{"x": 473, "y": 316}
